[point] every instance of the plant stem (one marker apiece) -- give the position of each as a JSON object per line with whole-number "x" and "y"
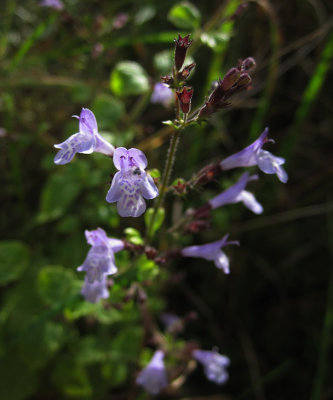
{"x": 165, "y": 179}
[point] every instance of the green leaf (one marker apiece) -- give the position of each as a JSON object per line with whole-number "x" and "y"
{"x": 72, "y": 380}
{"x": 185, "y": 16}
{"x": 134, "y": 236}
{"x": 144, "y": 15}
{"x": 108, "y": 111}
{"x": 214, "y": 40}
{"x": 163, "y": 61}
{"x": 158, "y": 221}
{"x": 154, "y": 173}
{"x": 39, "y": 343}
{"x": 58, "y": 194}
{"x": 147, "y": 269}
{"x": 129, "y": 78}
{"x": 14, "y": 258}
{"x": 55, "y": 284}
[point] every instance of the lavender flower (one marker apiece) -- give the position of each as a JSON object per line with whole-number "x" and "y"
{"x": 55, "y": 4}
{"x": 254, "y": 155}
{"x": 100, "y": 260}
{"x": 86, "y": 141}
{"x": 236, "y": 193}
{"x": 211, "y": 251}
{"x": 131, "y": 184}
{"x": 214, "y": 365}
{"x": 162, "y": 95}
{"x": 95, "y": 291}
{"x": 154, "y": 377}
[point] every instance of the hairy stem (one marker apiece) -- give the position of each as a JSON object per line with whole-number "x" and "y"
{"x": 164, "y": 182}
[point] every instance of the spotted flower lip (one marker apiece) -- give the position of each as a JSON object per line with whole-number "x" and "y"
{"x": 211, "y": 251}
{"x": 131, "y": 184}
{"x": 214, "y": 365}
{"x": 154, "y": 377}
{"x": 255, "y": 155}
{"x": 95, "y": 291}
{"x": 85, "y": 141}
{"x": 100, "y": 260}
{"x": 237, "y": 193}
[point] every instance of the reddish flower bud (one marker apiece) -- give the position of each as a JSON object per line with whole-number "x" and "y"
{"x": 182, "y": 44}
{"x": 185, "y": 97}
{"x": 168, "y": 80}
{"x": 248, "y": 64}
{"x": 184, "y": 74}
{"x": 230, "y": 78}
{"x": 244, "y": 81}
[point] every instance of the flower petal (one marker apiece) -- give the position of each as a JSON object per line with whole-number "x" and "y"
{"x": 250, "y": 202}
{"x": 87, "y": 122}
{"x": 222, "y": 261}
{"x": 148, "y": 188}
{"x": 138, "y": 157}
{"x": 130, "y": 206}
{"x": 114, "y": 193}
{"x": 103, "y": 146}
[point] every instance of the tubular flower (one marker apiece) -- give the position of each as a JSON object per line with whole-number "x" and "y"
{"x": 236, "y": 193}
{"x": 211, "y": 251}
{"x": 154, "y": 377}
{"x": 131, "y": 184}
{"x": 255, "y": 155}
{"x": 86, "y": 141}
{"x": 214, "y": 365}
{"x": 100, "y": 260}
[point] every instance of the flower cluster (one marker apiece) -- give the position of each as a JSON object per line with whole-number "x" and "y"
{"x": 99, "y": 263}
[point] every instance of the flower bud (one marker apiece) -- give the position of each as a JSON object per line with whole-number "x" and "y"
{"x": 248, "y": 64}
{"x": 185, "y": 97}
{"x": 230, "y": 78}
{"x": 184, "y": 74}
{"x": 244, "y": 81}
{"x": 182, "y": 44}
{"x": 167, "y": 79}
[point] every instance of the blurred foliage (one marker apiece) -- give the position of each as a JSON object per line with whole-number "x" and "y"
{"x": 273, "y": 315}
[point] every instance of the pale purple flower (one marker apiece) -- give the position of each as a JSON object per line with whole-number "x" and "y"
{"x": 172, "y": 322}
{"x": 100, "y": 260}
{"x": 214, "y": 365}
{"x": 154, "y": 377}
{"x": 55, "y": 4}
{"x": 236, "y": 193}
{"x": 86, "y": 141}
{"x": 255, "y": 155}
{"x": 211, "y": 251}
{"x": 95, "y": 291}
{"x": 131, "y": 184}
{"x": 162, "y": 94}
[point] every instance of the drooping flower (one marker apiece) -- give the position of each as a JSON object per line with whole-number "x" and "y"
{"x": 55, "y": 4}
{"x": 236, "y": 193}
{"x": 100, "y": 260}
{"x": 214, "y": 365}
{"x": 131, "y": 184}
{"x": 211, "y": 251}
{"x": 255, "y": 155}
{"x": 162, "y": 94}
{"x": 154, "y": 377}
{"x": 86, "y": 141}
{"x": 96, "y": 290}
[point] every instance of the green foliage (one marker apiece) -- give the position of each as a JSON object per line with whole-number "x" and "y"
{"x": 14, "y": 259}
{"x": 158, "y": 221}
{"x": 108, "y": 111}
{"x": 147, "y": 269}
{"x": 56, "y": 284}
{"x": 185, "y": 16}
{"x": 133, "y": 236}
{"x": 128, "y": 78}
